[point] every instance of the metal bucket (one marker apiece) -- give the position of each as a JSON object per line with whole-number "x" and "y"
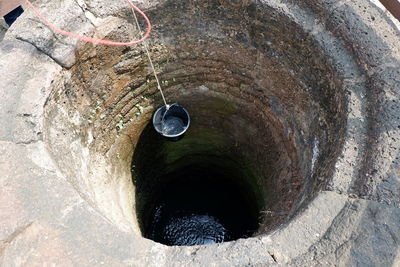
{"x": 171, "y": 122}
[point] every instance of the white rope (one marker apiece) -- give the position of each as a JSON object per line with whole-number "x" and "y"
{"x": 151, "y": 61}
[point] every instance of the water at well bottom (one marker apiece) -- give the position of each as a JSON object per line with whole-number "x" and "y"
{"x": 188, "y": 229}
{"x": 200, "y": 210}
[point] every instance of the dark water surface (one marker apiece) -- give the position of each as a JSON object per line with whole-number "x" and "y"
{"x": 200, "y": 209}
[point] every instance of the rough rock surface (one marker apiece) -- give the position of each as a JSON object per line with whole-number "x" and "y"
{"x": 354, "y": 221}
{"x": 3, "y": 29}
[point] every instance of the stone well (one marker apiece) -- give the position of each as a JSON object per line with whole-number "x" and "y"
{"x": 294, "y": 103}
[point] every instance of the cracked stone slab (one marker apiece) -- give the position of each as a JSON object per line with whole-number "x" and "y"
{"x": 3, "y": 29}
{"x": 43, "y": 220}
{"x": 30, "y": 29}
{"x": 23, "y": 92}
{"x": 307, "y": 228}
{"x": 365, "y": 233}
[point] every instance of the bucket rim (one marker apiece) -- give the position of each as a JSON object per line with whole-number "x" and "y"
{"x": 172, "y": 135}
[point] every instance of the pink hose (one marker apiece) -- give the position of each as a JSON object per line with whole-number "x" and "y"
{"x": 94, "y": 40}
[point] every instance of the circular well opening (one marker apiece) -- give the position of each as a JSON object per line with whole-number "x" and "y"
{"x": 194, "y": 191}
{"x": 267, "y": 118}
